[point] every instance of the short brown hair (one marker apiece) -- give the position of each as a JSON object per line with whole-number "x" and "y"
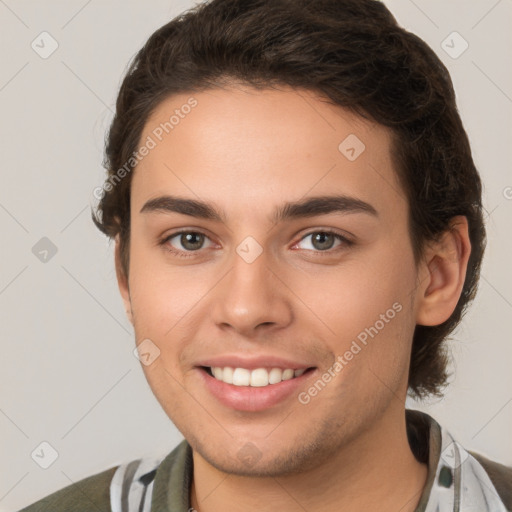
{"x": 354, "y": 54}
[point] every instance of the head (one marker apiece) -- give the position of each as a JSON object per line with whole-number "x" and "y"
{"x": 248, "y": 106}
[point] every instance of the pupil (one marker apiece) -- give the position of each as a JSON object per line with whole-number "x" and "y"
{"x": 187, "y": 240}
{"x": 321, "y": 236}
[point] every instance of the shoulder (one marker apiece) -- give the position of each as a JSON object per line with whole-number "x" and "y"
{"x": 500, "y": 475}
{"x": 127, "y": 486}
{"x": 91, "y": 493}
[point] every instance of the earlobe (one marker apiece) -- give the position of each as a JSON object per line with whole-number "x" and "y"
{"x": 446, "y": 263}
{"x": 122, "y": 281}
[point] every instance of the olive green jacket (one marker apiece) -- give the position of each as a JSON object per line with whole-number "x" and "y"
{"x": 456, "y": 479}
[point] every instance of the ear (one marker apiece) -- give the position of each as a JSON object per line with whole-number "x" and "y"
{"x": 122, "y": 281}
{"x": 443, "y": 274}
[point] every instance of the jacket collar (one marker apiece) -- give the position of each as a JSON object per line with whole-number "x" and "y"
{"x": 455, "y": 479}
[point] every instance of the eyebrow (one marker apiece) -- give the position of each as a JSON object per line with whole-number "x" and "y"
{"x": 309, "y": 207}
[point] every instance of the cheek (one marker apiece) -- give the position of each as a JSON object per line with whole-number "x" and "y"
{"x": 161, "y": 294}
{"x": 367, "y": 309}
{"x": 352, "y": 296}
{"x": 168, "y": 308}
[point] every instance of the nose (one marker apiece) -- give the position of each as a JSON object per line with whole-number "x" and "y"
{"x": 252, "y": 298}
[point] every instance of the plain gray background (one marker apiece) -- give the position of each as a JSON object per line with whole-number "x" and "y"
{"x": 68, "y": 374}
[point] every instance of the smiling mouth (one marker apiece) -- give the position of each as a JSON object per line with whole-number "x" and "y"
{"x": 259, "y": 377}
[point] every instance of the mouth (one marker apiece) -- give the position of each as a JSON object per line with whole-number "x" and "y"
{"x": 254, "y": 389}
{"x": 256, "y": 378}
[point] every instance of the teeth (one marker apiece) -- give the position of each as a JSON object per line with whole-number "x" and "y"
{"x": 260, "y": 377}
{"x": 218, "y": 373}
{"x": 241, "y": 377}
{"x": 275, "y": 376}
{"x": 227, "y": 375}
{"x": 288, "y": 374}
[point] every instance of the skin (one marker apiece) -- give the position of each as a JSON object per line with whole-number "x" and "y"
{"x": 248, "y": 151}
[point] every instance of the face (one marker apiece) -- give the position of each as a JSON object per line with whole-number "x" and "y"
{"x": 278, "y": 317}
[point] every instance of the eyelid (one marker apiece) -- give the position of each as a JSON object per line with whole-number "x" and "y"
{"x": 345, "y": 240}
{"x": 185, "y": 254}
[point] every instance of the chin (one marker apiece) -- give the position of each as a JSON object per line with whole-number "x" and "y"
{"x": 250, "y": 461}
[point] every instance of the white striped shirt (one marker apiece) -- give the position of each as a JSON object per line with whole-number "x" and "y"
{"x": 459, "y": 482}
{"x": 132, "y": 485}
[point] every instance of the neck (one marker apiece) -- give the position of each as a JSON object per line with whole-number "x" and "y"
{"x": 376, "y": 471}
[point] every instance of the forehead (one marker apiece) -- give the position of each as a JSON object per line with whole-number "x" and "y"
{"x": 259, "y": 147}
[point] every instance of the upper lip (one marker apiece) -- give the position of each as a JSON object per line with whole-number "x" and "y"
{"x": 251, "y": 363}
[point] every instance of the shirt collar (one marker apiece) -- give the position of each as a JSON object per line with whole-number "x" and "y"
{"x": 455, "y": 479}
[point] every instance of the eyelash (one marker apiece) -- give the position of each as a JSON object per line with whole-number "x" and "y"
{"x": 190, "y": 254}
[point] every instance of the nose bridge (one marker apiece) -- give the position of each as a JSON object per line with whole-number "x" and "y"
{"x": 250, "y": 294}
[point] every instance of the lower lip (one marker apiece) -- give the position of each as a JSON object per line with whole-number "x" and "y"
{"x": 249, "y": 398}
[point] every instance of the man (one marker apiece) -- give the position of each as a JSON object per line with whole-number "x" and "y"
{"x": 298, "y": 227}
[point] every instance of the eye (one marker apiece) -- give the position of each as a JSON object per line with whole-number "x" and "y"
{"x": 186, "y": 242}
{"x": 323, "y": 241}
